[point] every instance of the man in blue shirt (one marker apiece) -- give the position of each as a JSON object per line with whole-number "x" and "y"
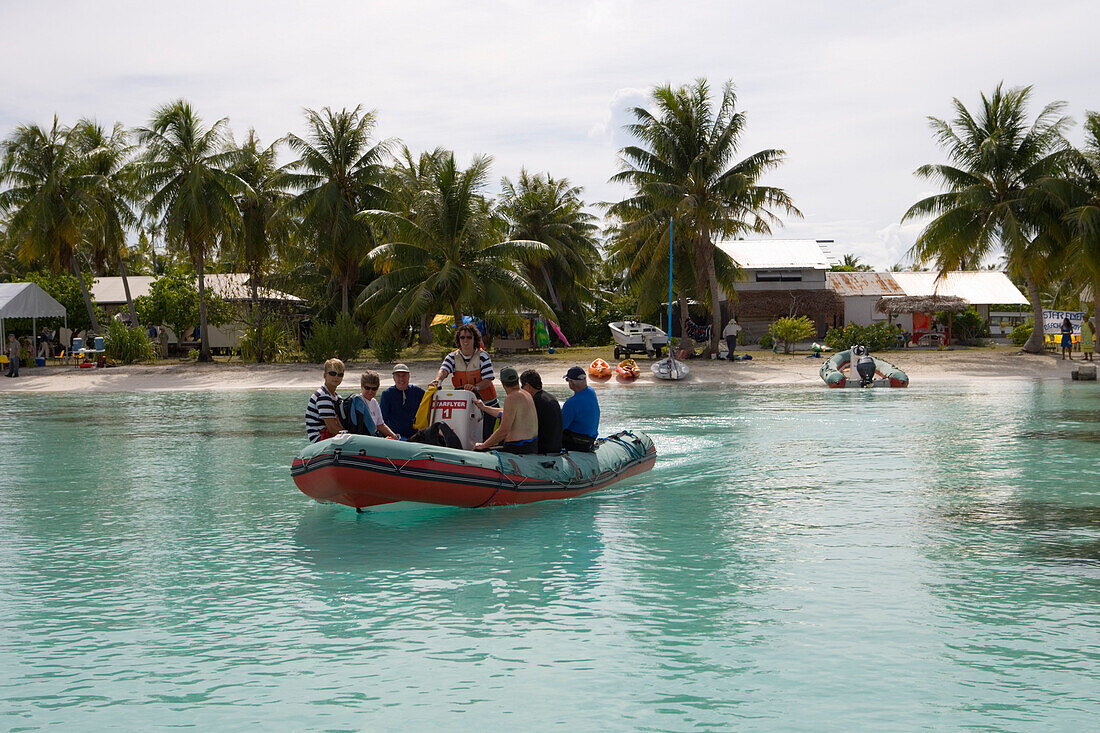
{"x": 580, "y": 415}
{"x": 400, "y": 402}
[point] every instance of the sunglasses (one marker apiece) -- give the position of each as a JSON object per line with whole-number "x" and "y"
{"x": 335, "y": 374}
{"x": 370, "y": 389}
{"x": 465, "y": 338}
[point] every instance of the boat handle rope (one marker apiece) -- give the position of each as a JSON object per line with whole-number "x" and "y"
{"x": 629, "y": 448}
{"x": 500, "y": 485}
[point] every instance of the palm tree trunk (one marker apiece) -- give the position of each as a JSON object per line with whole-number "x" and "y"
{"x": 86, "y": 296}
{"x": 426, "y": 335}
{"x": 126, "y": 287}
{"x": 1034, "y": 344}
{"x": 257, "y": 319}
{"x": 550, "y": 288}
{"x": 204, "y": 336}
{"x": 705, "y": 263}
{"x": 685, "y": 343}
{"x": 344, "y": 290}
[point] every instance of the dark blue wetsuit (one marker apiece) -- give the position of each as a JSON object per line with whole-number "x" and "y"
{"x": 399, "y": 409}
{"x": 580, "y": 418}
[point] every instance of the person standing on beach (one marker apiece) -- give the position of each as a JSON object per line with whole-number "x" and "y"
{"x": 400, "y": 402}
{"x": 580, "y": 415}
{"x": 730, "y": 332}
{"x": 471, "y": 369}
{"x": 1067, "y": 338}
{"x": 1088, "y": 338}
{"x": 322, "y": 420}
{"x": 13, "y": 356}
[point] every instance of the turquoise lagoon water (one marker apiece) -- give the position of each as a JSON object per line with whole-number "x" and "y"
{"x": 798, "y": 559}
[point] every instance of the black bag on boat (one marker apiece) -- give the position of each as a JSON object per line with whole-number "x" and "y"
{"x": 439, "y": 434}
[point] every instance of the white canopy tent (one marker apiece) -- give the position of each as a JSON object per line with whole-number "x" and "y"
{"x": 27, "y": 300}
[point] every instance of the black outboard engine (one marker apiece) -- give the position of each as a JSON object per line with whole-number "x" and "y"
{"x": 865, "y": 365}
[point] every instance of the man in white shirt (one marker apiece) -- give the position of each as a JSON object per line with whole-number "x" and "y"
{"x": 730, "y": 333}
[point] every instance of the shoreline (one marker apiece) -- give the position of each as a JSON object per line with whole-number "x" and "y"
{"x": 959, "y": 365}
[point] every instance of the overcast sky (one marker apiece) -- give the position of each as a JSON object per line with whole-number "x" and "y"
{"x": 843, "y": 87}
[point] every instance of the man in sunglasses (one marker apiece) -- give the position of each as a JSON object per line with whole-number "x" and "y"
{"x": 322, "y": 421}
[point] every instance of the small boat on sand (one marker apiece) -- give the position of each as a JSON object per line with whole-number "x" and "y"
{"x": 628, "y": 370}
{"x": 362, "y": 471}
{"x": 670, "y": 369}
{"x": 600, "y": 369}
{"x": 884, "y": 373}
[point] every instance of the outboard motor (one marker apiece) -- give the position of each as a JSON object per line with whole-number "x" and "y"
{"x": 865, "y": 365}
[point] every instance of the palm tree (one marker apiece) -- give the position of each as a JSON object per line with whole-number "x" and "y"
{"x": 107, "y": 156}
{"x": 447, "y": 255}
{"x": 264, "y": 227}
{"x": 851, "y": 263}
{"x": 1084, "y": 216}
{"x": 684, "y": 165}
{"x": 183, "y": 169}
{"x": 996, "y": 195}
{"x": 543, "y": 209}
{"x": 49, "y": 201}
{"x": 339, "y": 173}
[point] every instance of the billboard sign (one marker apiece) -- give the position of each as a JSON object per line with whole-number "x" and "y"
{"x": 1052, "y": 321}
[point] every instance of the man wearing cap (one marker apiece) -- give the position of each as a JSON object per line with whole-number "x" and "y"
{"x": 580, "y": 415}
{"x": 400, "y": 402}
{"x": 548, "y": 411}
{"x": 519, "y": 422}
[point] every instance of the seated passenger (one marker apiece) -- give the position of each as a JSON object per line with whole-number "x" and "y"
{"x": 400, "y": 402}
{"x": 580, "y": 415}
{"x": 519, "y": 423}
{"x": 321, "y": 412}
{"x": 364, "y": 412}
{"x": 548, "y": 410}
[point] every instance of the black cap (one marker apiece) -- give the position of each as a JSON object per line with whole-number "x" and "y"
{"x": 509, "y": 376}
{"x": 575, "y": 373}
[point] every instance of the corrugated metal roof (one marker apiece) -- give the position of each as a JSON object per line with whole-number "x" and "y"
{"x": 978, "y": 288}
{"x": 231, "y": 286}
{"x": 763, "y": 254}
{"x": 863, "y": 283}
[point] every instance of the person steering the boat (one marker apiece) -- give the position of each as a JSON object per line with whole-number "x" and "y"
{"x": 580, "y": 415}
{"x": 471, "y": 369}
{"x": 519, "y": 422}
{"x": 322, "y": 420}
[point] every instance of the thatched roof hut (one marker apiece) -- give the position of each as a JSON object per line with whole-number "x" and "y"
{"x": 894, "y": 305}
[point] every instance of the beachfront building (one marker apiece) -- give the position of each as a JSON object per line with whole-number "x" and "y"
{"x": 782, "y": 277}
{"x": 984, "y": 290}
{"x": 110, "y": 295}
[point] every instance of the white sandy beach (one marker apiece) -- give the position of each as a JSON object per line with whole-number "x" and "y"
{"x": 960, "y": 365}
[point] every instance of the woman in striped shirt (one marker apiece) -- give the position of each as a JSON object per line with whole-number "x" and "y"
{"x": 470, "y": 368}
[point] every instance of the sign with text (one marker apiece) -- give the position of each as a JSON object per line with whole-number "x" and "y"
{"x": 1052, "y": 321}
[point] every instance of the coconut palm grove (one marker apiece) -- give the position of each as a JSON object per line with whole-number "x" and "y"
{"x": 380, "y": 241}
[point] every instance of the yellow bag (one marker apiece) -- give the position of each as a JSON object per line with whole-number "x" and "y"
{"x": 424, "y": 412}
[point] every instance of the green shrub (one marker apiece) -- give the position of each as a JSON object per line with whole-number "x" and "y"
{"x": 1022, "y": 332}
{"x": 341, "y": 339}
{"x": 789, "y": 331}
{"x": 126, "y": 344}
{"x": 966, "y": 327}
{"x": 386, "y": 348}
{"x": 766, "y": 341}
{"x": 876, "y": 337}
{"x": 278, "y": 344}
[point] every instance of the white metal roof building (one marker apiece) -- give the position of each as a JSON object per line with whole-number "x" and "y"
{"x": 108, "y": 291}
{"x": 984, "y": 287}
{"x": 780, "y": 264}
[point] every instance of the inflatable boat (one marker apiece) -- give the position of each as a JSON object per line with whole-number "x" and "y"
{"x": 600, "y": 369}
{"x": 627, "y": 371}
{"x": 361, "y": 471}
{"x": 886, "y": 374}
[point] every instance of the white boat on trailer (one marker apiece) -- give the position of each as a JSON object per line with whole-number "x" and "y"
{"x": 635, "y": 337}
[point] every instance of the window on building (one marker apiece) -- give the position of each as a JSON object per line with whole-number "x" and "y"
{"x": 779, "y": 276}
